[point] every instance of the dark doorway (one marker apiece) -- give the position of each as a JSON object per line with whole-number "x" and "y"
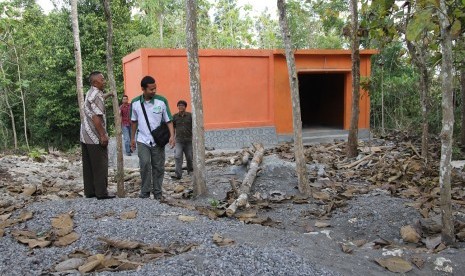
{"x": 322, "y": 99}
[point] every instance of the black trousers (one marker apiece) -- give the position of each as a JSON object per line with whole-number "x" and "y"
{"x": 95, "y": 169}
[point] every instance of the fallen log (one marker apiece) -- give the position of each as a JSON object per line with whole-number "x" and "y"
{"x": 230, "y": 160}
{"x": 248, "y": 181}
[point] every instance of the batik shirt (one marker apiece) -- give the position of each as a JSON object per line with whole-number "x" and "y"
{"x": 93, "y": 105}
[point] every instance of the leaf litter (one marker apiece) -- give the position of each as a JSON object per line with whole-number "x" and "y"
{"x": 390, "y": 167}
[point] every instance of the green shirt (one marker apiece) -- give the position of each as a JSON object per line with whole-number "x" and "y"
{"x": 183, "y": 126}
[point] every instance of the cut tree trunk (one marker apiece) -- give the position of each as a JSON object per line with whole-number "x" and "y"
{"x": 248, "y": 181}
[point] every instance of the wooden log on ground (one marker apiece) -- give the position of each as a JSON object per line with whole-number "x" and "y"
{"x": 248, "y": 181}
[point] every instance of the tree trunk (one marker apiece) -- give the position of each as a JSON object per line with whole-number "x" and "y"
{"x": 352, "y": 140}
{"x": 248, "y": 181}
{"x": 462, "y": 89}
{"x": 10, "y": 113}
{"x": 448, "y": 235}
{"x": 198, "y": 131}
{"x": 301, "y": 164}
{"x": 77, "y": 57}
{"x": 23, "y": 97}
{"x": 111, "y": 80}
{"x": 418, "y": 55}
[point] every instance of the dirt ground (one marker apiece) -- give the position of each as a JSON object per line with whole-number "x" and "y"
{"x": 353, "y": 218}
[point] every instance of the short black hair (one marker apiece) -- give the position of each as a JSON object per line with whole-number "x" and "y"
{"x": 146, "y": 81}
{"x": 93, "y": 75}
{"x": 183, "y": 102}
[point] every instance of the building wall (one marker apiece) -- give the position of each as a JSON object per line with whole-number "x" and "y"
{"x": 242, "y": 89}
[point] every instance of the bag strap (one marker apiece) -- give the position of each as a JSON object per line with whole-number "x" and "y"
{"x": 145, "y": 114}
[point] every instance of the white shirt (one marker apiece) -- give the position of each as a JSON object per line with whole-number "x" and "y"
{"x": 157, "y": 109}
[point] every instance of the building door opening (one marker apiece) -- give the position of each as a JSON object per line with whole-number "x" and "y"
{"x": 322, "y": 100}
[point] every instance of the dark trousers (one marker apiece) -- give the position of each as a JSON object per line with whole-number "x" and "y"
{"x": 95, "y": 169}
{"x": 181, "y": 149}
{"x": 152, "y": 168}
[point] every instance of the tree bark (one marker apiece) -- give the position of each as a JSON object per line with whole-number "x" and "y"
{"x": 112, "y": 82}
{"x": 10, "y": 113}
{"x": 301, "y": 164}
{"x": 23, "y": 97}
{"x": 462, "y": 89}
{"x": 448, "y": 235}
{"x": 418, "y": 54}
{"x": 248, "y": 181}
{"x": 77, "y": 57}
{"x": 352, "y": 140}
{"x": 198, "y": 130}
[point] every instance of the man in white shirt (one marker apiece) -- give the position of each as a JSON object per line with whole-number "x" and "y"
{"x": 151, "y": 156}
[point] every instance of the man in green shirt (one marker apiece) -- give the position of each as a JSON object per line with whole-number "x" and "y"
{"x": 182, "y": 122}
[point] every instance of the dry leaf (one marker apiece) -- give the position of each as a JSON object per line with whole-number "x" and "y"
{"x": 25, "y": 215}
{"x": 321, "y": 195}
{"x": 395, "y": 264}
{"x": 79, "y": 253}
{"x": 359, "y": 243}
{"x": 186, "y": 218}
{"x": 461, "y": 235}
{"x": 179, "y": 189}
{"x": 67, "y": 240}
{"x": 69, "y": 264}
{"x": 221, "y": 241}
{"x": 89, "y": 266}
{"x": 129, "y": 215}
{"x": 246, "y": 214}
{"x": 29, "y": 190}
{"x": 121, "y": 244}
{"x": 346, "y": 248}
{"x": 409, "y": 234}
{"x": 418, "y": 261}
{"x": 440, "y": 247}
{"x": 322, "y": 224}
{"x": 5, "y": 217}
{"x": 63, "y": 224}
{"x": 2, "y": 232}
{"x": 432, "y": 242}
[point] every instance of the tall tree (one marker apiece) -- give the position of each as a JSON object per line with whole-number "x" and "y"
{"x": 352, "y": 143}
{"x": 198, "y": 130}
{"x": 77, "y": 57}
{"x": 418, "y": 49}
{"x": 111, "y": 80}
{"x": 448, "y": 235}
{"x": 301, "y": 164}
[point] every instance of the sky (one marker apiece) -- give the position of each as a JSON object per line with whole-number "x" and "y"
{"x": 258, "y": 5}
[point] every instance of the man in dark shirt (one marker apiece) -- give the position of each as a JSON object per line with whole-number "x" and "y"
{"x": 182, "y": 122}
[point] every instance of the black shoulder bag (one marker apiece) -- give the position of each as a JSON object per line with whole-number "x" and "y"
{"x": 161, "y": 134}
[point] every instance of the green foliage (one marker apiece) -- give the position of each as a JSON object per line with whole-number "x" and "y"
{"x": 37, "y": 154}
{"x": 214, "y": 202}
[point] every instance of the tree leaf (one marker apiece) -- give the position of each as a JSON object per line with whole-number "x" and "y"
{"x": 129, "y": 215}
{"x": 69, "y": 264}
{"x": 121, "y": 244}
{"x": 395, "y": 264}
{"x": 418, "y": 24}
{"x": 62, "y": 221}
{"x": 67, "y": 240}
{"x": 456, "y": 28}
{"x": 186, "y": 218}
{"x": 221, "y": 241}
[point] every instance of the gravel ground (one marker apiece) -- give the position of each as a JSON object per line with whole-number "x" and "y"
{"x": 287, "y": 249}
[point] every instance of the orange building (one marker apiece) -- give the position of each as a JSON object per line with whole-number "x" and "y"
{"x": 246, "y": 93}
